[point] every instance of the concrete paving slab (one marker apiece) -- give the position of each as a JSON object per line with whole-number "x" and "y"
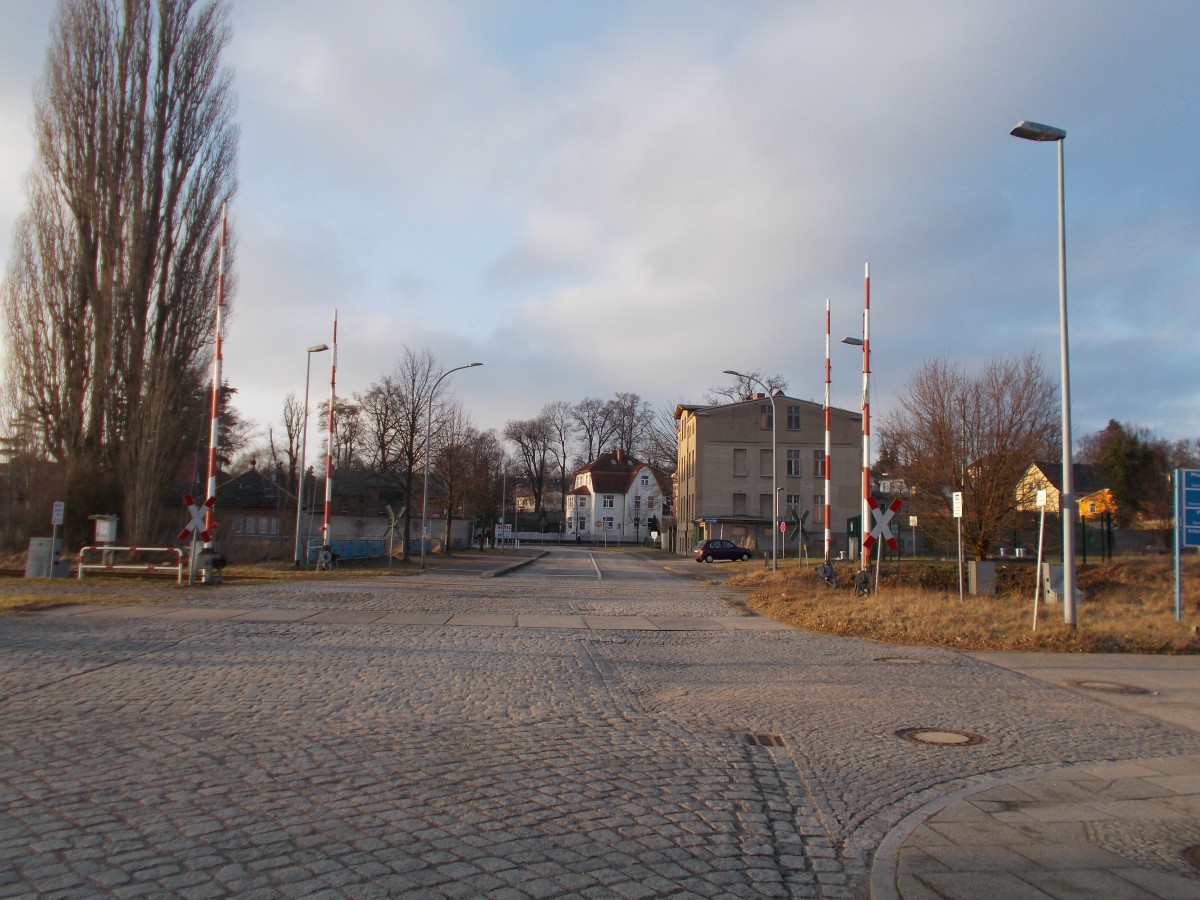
{"x": 483, "y": 620}
{"x": 619, "y": 623}
{"x": 754, "y": 623}
{"x": 346, "y": 617}
{"x": 414, "y": 618}
{"x": 203, "y": 613}
{"x": 679, "y": 623}
{"x": 275, "y": 615}
{"x": 530, "y": 620}
{"x": 73, "y": 609}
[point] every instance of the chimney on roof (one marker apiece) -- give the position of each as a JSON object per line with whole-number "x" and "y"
{"x": 617, "y": 452}
{"x": 760, "y": 396}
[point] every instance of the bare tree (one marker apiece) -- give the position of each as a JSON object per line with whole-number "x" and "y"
{"x": 395, "y": 431}
{"x": 348, "y": 431}
{"x": 744, "y": 387}
{"x": 660, "y": 447}
{"x": 561, "y": 422}
{"x": 483, "y": 485}
{"x": 974, "y": 434}
{"x": 631, "y": 417}
{"x": 593, "y": 421}
{"x": 532, "y": 439}
{"x": 286, "y": 456}
{"x": 450, "y": 469}
{"x": 110, "y": 293}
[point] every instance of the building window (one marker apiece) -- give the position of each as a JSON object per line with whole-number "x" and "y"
{"x": 583, "y": 502}
{"x": 766, "y": 416}
{"x": 793, "y": 418}
{"x": 645, "y": 479}
{"x": 608, "y": 523}
{"x": 608, "y": 501}
{"x": 765, "y": 458}
{"x": 819, "y": 503}
{"x": 739, "y": 463}
{"x": 793, "y": 463}
{"x": 570, "y": 524}
{"x": 739, "y": 504}
{"x": 818, "y": 464}
{"x": 637, "y": 501}
{"x": 764, "y": 507}
{"x": 793, "y": 502}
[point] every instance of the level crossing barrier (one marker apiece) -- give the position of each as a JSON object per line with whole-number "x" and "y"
{"x": 107, "y": 560}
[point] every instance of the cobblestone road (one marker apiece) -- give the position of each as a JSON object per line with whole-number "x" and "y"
{"x": 145, "y": 754}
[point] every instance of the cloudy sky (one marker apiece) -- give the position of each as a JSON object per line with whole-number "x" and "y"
{"x": 591, "y": 197}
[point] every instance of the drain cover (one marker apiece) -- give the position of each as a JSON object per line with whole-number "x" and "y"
{"x": 1111, "y": 687}
{"x": 942, "y": 737}
{"x": 763, "y": 739}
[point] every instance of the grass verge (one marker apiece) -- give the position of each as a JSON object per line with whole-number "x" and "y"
{"x": 1128, "y": 608}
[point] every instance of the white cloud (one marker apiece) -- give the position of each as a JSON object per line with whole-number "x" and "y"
{"x": 520, "y": 184}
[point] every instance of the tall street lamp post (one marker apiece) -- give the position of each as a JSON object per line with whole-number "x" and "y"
{"x": 1032, "y": 131}
{"x": 428, "y": 441}
{"x": 774, "y": 467}
{"x": 316, "y": 348}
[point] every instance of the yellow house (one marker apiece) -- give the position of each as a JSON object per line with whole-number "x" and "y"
{"x": 1091, "y": 498}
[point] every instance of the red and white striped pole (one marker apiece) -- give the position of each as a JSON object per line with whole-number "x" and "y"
{"x": 865, "y": 527}
{"x": 828, "y": 460}
{"x": 214, "y": 438}
{"x": 325, "y": 534}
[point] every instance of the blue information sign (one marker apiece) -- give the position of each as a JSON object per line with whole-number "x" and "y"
{"x": 1189, "y": 502}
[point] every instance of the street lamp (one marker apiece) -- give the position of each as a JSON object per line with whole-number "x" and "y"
{"x": 428, "y": 441}
{"x": 864, "y": 526}
{"x": 1033, "y": 131}
{"x": 316, "y": 348}
{"x": 774, "y": 465}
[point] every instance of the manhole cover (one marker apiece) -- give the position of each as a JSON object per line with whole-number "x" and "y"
{"x": 942, "y": 737}
{"x": 1192, "y": 855}
{"x": 900, "y": 660}
{"x": 1110, "y": 687}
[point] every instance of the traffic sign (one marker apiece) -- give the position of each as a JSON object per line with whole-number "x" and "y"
{"x": 783, "y": 527}
{"x": 881, "y": 528}
{"x": 196, "y": 523}
{"x": 957, "y": 497}
{"x": 57, "y": 515}
{"x": 1189, "y": 512}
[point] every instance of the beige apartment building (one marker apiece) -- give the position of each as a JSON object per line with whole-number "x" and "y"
{"x": 724, "y": 472}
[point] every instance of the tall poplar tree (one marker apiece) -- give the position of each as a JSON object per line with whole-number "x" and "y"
{"x": 109, "y": 299}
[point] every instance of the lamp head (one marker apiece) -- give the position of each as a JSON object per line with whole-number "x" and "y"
{"x": 1035, "y": 131}
{"x": 317, "y": 348}
{"x": 852, "y": 341}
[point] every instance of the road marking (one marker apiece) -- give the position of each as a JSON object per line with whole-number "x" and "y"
{"x": 592, "y": 557}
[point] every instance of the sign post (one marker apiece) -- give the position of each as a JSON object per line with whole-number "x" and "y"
{"x": 1187, "y": 525}
{"x": 958, "y": 509}
{"x": 56, "y": 518}
{"x": 196, "y": 527}
{"x": 1037, "y": 579}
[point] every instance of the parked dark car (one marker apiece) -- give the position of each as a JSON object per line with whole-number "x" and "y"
{"x": 707, "y": 551}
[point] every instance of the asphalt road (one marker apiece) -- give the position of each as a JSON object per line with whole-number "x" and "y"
{"x": 587, "y": 725}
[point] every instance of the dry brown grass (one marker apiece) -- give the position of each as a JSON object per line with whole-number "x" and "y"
{"x": 1129, "y": 608}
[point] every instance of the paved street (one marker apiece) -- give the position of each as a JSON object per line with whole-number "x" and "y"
{"x": 588, "y": 724}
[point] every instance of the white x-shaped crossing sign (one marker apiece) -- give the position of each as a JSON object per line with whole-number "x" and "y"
{"x": 197, "y": 518}
{"x": 882, "y": 529}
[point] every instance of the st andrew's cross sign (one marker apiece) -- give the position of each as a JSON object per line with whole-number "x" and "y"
{"x": 882, "y": 529}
